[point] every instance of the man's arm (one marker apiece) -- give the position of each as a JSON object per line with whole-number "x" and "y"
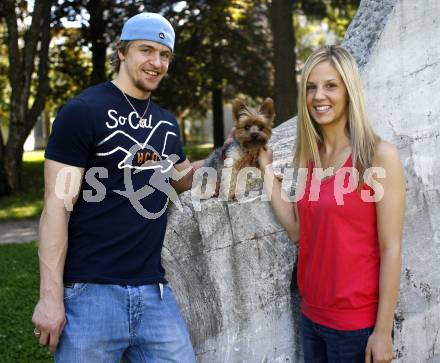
{"x": 61, "y": 191}
{"x": 183, "y": 175}
{"x": 184, "y": 172}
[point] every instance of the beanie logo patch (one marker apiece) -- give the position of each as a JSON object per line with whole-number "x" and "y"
{"x": 161, "y": 35}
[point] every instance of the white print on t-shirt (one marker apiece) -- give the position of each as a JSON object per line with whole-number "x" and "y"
{"x": 121, "y": 120}
{"x": 164, "y": 164}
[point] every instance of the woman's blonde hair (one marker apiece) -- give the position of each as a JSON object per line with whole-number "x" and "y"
{"x": 362, "y": 136}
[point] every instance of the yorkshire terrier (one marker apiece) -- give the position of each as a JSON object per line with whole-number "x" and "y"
{"x": 253, "y": 129}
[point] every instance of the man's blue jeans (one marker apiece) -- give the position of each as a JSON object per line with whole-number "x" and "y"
{"x": 107, "y": 323}
{"x": 326, "y": 345}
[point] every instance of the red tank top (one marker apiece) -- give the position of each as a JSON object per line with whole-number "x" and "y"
{"x": 338, "y": 263}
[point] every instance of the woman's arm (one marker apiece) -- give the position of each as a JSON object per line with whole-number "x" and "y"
{"x": 285, "y": 211}
{"x": 390, "y": 211}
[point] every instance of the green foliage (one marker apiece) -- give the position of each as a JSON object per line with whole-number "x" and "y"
{"x": 219, "y": 45}
{"x": 19, "y": 279}
{"x": 29, "y": 202}
{"x": 101, "y": 23}
{"x": 316, "y": 20}
{"x": 309, "y": 35}
{"x": 196, "y": 152}
{"x": 339, "y": 17}
{"x": 319, "y": 9}
{"x": 70, "y": 67}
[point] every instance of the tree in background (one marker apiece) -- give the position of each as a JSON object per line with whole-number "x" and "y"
{"x": 223, "y": 49}
{"x": 28, "y": 80}
{"x": 284, "y": 59}
{"x": 315, "y": 18}
{"x": 4, "y": 82}
{"x": 222, "y": 46}
{"x": 287, "y": 42}
{"x": 101, "y": 23}
{"x": 70, "y": 66}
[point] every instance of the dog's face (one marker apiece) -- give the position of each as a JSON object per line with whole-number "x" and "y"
{"x": 253, "y": 128}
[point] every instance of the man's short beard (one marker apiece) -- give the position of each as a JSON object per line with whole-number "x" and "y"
{"x": 140, "y": 85}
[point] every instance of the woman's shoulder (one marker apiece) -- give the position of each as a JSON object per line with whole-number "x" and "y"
{"x": 385, "y": 153}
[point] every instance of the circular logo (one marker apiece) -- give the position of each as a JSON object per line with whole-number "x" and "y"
{"x": 161, "y": 35}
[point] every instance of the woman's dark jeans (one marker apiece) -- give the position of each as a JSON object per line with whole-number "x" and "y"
{"x": 326, "y": 345}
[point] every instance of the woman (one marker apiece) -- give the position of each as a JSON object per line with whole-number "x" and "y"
{"x": 349, "y": 233}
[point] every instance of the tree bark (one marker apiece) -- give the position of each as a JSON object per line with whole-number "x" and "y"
{"x": 3, "y": 183}
{"x": 98, "y": 25}
{"x": 285, "y": 85}
{"x": 182, "y": 130}
{"x": 217, "y": 116}
{"x": 22, "y": 118}
{"x": 216, "y": 67}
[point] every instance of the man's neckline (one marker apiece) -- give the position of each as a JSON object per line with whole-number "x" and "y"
{"x": 127, "y": 94}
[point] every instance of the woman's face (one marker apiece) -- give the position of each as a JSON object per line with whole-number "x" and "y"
{"x": 327, "y": 96}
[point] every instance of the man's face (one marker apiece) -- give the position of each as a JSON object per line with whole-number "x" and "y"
{"x": 146, "y": 63}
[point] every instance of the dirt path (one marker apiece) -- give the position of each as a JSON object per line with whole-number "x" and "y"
{"x": 18, "y": 231}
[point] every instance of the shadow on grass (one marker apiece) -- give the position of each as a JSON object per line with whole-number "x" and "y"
{"x": 19, "y": 281}
{"x": 28, "y": 203}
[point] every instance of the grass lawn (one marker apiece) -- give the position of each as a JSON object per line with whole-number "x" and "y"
{"x": 19, "y": 279}
{"x": 29, "y": 203}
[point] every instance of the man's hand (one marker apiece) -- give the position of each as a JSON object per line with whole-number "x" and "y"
{"x": 379, "y": 348}
{"x": 49, "y": 319}
{"x": 230, "y": 137}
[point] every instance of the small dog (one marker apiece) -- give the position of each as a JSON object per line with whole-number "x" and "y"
{"x": 253, "y": 129}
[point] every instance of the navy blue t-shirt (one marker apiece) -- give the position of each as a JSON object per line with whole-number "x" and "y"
{"x": 117, "y": 225}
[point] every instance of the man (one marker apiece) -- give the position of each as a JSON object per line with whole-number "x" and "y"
{"x": 103, "y": 295}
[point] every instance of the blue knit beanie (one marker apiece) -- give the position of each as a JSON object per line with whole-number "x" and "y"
{"x": 149, "y": 26}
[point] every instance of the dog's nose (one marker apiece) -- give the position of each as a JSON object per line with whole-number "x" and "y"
{"x": 254, "y": 135}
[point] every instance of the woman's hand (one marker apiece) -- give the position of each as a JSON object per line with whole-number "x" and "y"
{"x": 379, "y": 348}
{"x": 284, "y": 209}
{"x": 265, "y": 157}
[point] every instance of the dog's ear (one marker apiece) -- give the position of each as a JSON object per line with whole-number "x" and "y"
{"x": 237, "y": 107}
{"x": 268, "y": 110}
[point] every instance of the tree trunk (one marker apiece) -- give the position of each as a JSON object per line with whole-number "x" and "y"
{"x": 217, "y": 116}
{"x": 14, "y": 146}
{"x": 4, "y": 189}
{"x": 13, "y": 161}
{"x": 22, "y": 118}
{"x": 182, "y": 130}
{"x": 98, "y": 25}
{"x": 285, "y": 86}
